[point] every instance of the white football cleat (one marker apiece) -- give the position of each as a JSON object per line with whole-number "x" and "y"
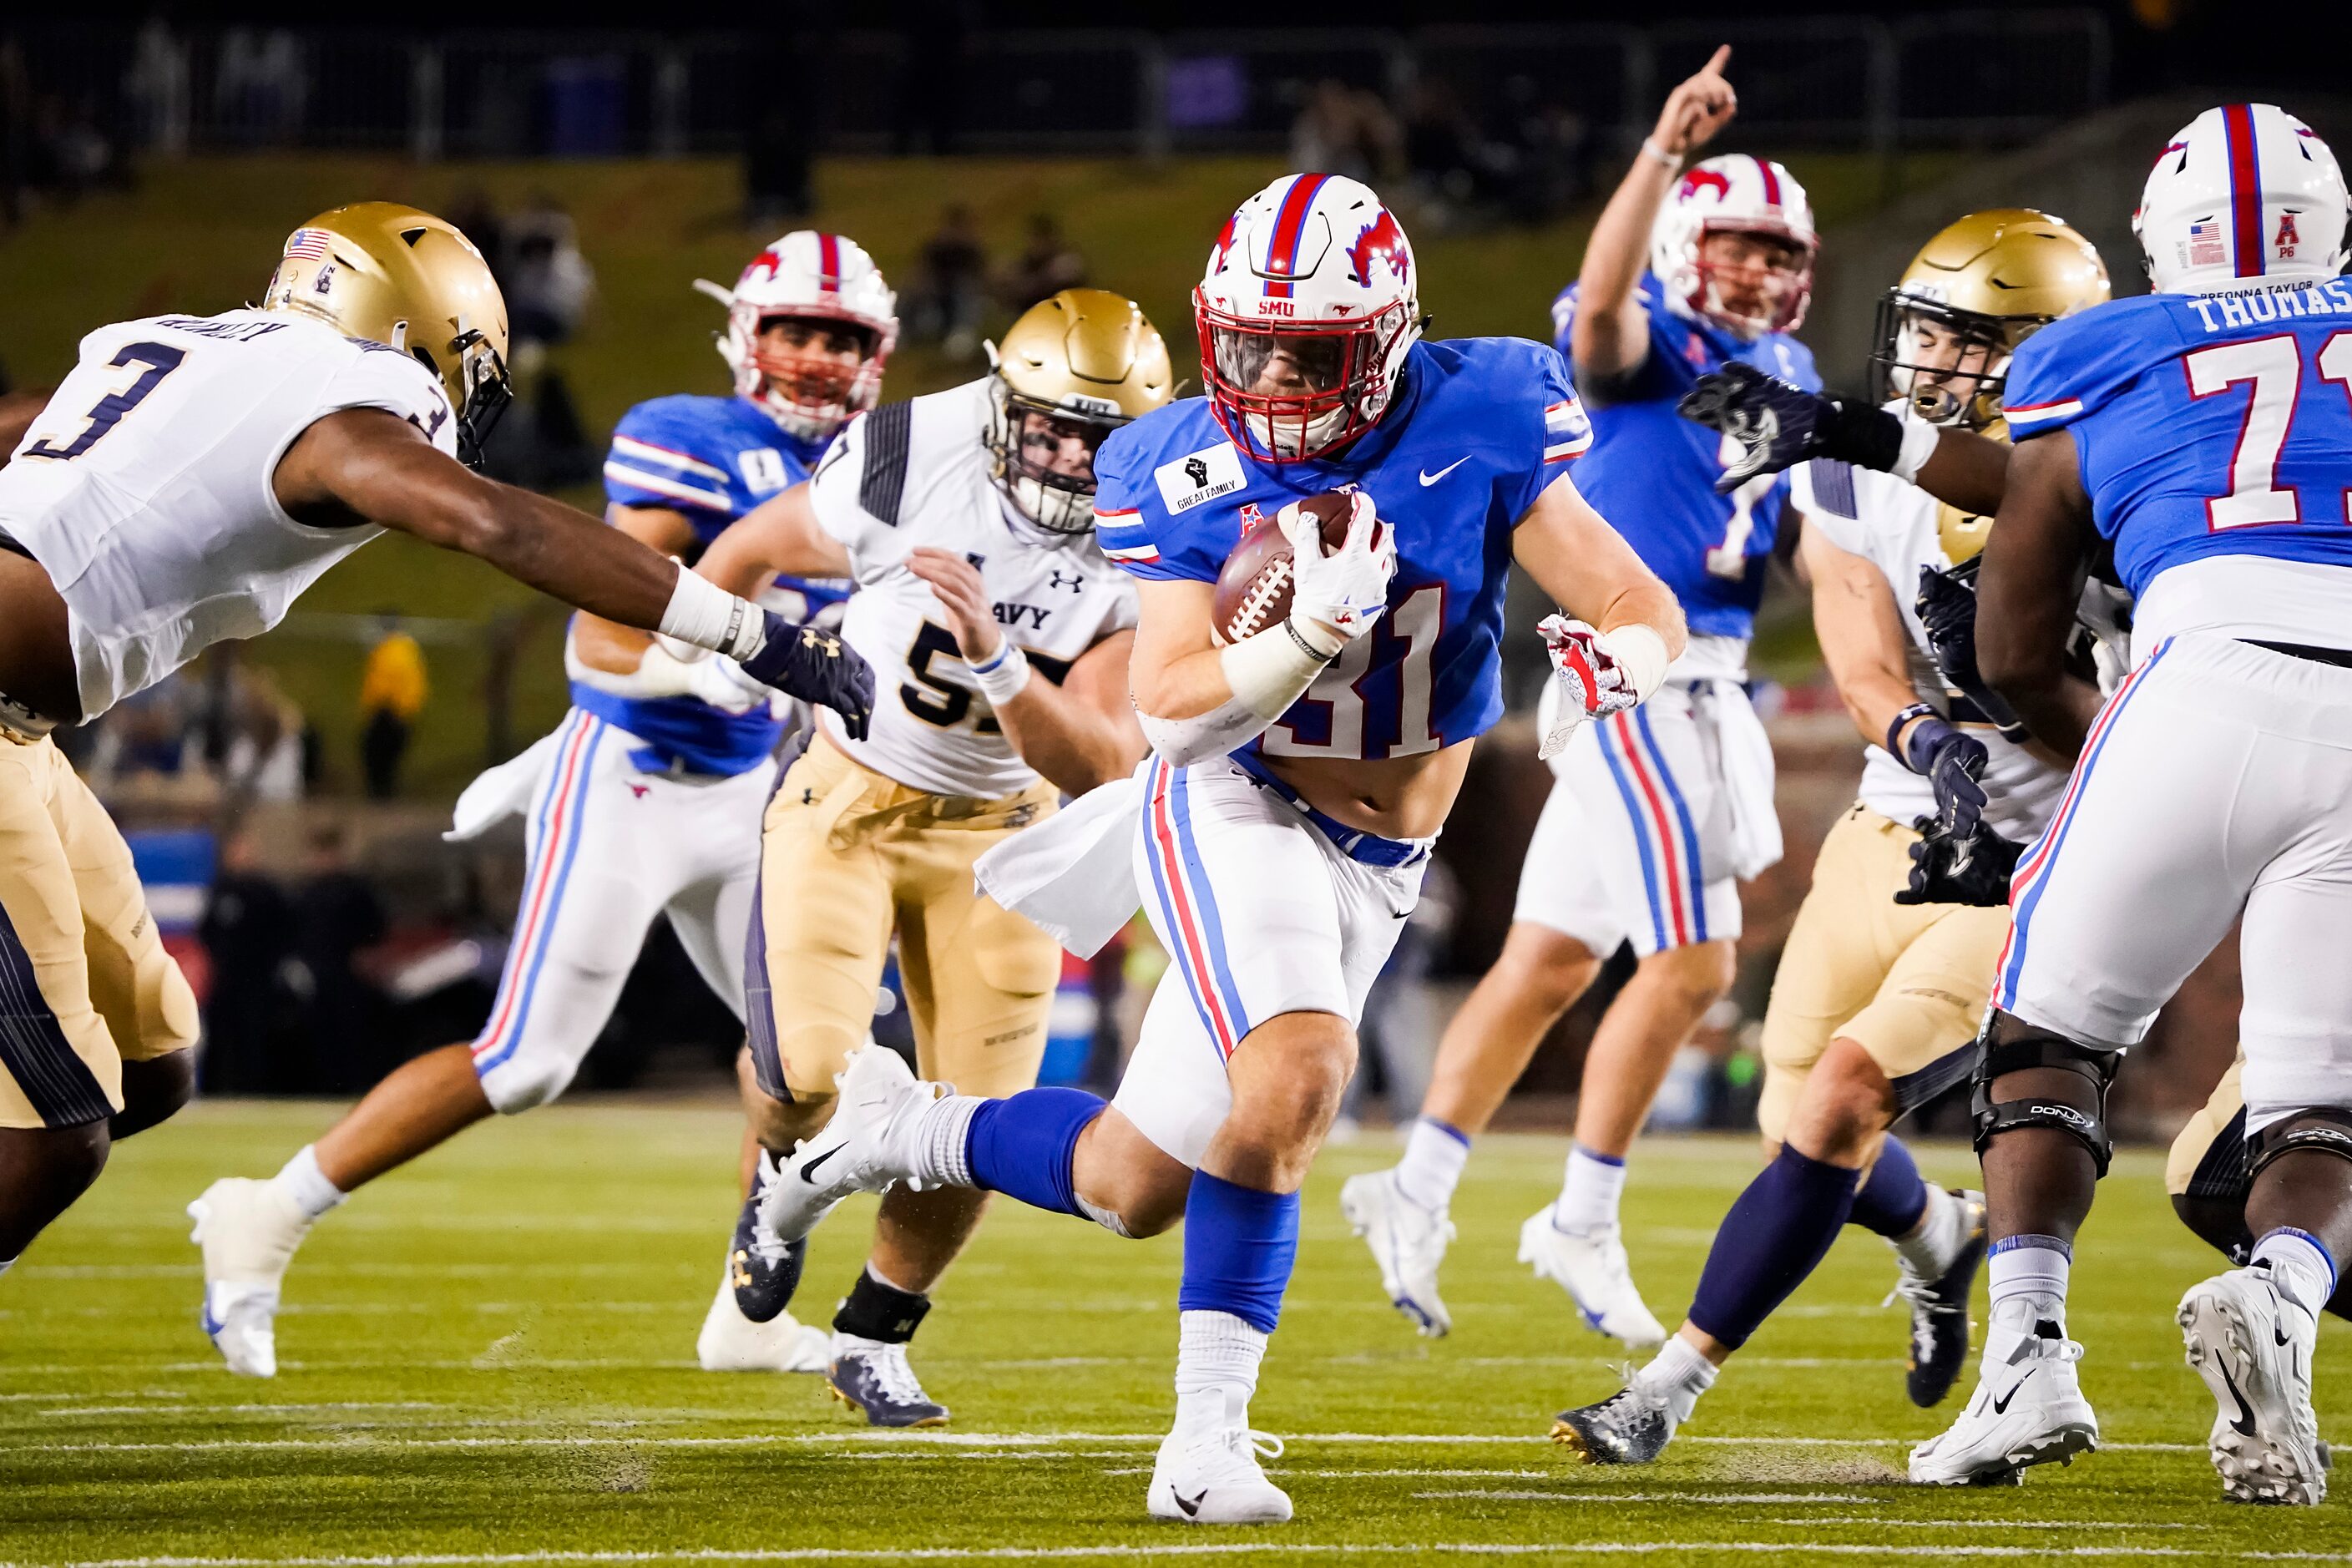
{"x": 2026, "y": 1411}
{"x": 2251, "y": 1340}
{"x": 1407, "y": 1242}
{"x": 1208, "y": 1473}
{"x": 861, "y": 1149}
{"x": 249, "y": 1231}
{"x": 1592, "y": 1270}
{"x": 729, "y": 1341}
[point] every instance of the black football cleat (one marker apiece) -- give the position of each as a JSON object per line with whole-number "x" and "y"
{"x": 1631, "y": 1427}
{"x": 876, "y": 1379}
{"x": 762, "y": 1270}
{"x": 1939, "y": 1313}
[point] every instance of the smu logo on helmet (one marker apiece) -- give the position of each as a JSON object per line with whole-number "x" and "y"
{"x": 1381, "y": 241}
{"x": 1699, "y": 180}
{"x": 1224, "y": 245}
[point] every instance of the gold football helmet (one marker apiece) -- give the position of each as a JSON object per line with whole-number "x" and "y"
{"x": 388, "y": 273}
{"x": 1072, "y": 369}
{"x": 1972, "y": 294}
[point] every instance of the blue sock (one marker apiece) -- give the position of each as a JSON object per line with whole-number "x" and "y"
{"x": 1777, "y": 1233}
{"x": 1894, "y": 1198}
{"x": 1239, "y": 1246}
{"x": 1025, "y": 1145}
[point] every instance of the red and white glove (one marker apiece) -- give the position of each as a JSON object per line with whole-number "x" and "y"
{"x": 1346, "y": 591}
{"x": 1591, "y": 681}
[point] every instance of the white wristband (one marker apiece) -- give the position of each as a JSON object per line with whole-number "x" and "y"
{"x": 1270, "y": 670}
{"x": 1919, "y": 439}
{"x": 1002, "y": 677}
{"x": 1650, "y": 149}
{"x": 1641, "y": 653}
{"x": 702, "y": 613}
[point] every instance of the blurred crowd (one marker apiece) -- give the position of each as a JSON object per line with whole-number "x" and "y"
{"x": 955, "y": 279}
{"x": 1523, "y": 158}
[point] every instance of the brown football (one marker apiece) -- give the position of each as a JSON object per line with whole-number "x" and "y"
{"x": 1254, "y": 590}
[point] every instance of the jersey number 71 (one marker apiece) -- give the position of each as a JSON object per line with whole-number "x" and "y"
{"x": 2274, "y": 366}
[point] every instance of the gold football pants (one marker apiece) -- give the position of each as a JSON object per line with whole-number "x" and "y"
{"x": 847, "y": 857}
{"x": 2208, "y": 1157}
{"x": 1908, "y": 983}
{"x": 85, "y": 984}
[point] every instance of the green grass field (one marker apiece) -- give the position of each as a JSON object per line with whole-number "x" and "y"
{"x": 488, "y": 1360}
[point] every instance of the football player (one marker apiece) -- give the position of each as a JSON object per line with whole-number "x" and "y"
{"x": 1880, "y": 986}
{"x": 2203, "y": 433}
{"x": 1657, "y": 815}
{"x": 644, "y": 801}
{"x": 1002, "y": 636}
{"x": 1278, "y": 835}
{"x": 187, "y": 480}
{"x": 2206, "y": 1175}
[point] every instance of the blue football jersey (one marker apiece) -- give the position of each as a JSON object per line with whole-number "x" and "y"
{"x": 1479, "y": 427}
{"x": 710, "y": 461}
{"x": 2203, "y": 424}
{"x": 1652, "y": 472}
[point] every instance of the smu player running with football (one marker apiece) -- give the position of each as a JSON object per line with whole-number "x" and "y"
{"x": 1280, "y": 834}
{"x": 1656, "y": 815}
{"x": 1002, "y": 638}
{"x": 2205, "y": 432}
{"x": 645, "y": 800}
{"x": 189, "y": 478}
{"x": 1882, "y": 983}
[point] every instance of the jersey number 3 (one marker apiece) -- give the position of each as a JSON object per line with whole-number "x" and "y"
{"x": 2275, "y": 368}
{"x": 155, "y": 361}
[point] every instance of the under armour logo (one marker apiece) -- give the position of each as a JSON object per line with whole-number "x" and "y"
{"x": 1073, "y": 582}
{"x": 808, "y": 797}
{"x": 1197, "y": 470}
{"x": 828, "y": 645}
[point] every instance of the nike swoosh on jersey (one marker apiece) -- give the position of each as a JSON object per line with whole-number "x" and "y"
{"x": 1428, "y": 478}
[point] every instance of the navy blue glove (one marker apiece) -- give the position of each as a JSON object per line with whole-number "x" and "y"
{"x": 1946, "y": 870}
{"x": 815, "y": 666}
{"x": 1947, "y": 614}
{"x": 1777, "y": 424}
{"x": 1953, "y": 763}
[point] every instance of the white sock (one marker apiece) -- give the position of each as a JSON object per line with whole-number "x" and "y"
{"x": 1431, "y": 1166}
{"x": 1588, "y": 1194}
{"x": 1678, "y": 1374}
{"x": 2028, "y": 1276}
{"x": 2300, "y": 1264}
{"x": 1217, "y": 1357}
{"x": 941, "y": 1142}
{"x": 304, "y": 1185}
{"x": 1936, "y": 1241}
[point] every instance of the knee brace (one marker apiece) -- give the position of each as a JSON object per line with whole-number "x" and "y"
{"x": 2041, "y": 1048}
{"x": 2296, "y": 1134}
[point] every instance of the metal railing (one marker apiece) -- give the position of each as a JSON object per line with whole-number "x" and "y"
{"x": 1954, "y": 78}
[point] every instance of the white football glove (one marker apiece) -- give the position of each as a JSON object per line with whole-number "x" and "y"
{"x": 1345, "y": 591}
{"x": 1592, "y": 683}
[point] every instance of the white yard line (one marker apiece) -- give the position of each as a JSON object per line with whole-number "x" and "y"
{"x": 1735, "y": 1500}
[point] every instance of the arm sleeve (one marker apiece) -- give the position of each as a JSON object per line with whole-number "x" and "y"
{"x": 1557, "y": 432}
{"x": 1134, "y": 528}
{"x": 860, "y": 485}
{"x": 656, "y": 461}
{"x": 380, "y": 376}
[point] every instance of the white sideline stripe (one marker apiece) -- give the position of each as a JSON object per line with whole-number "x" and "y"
{"x": 977, "y": 1440}
{"x": 200, "y": 1412}
{"x": 1739, "y": 1499}
{"x": 1187, "y": 1549}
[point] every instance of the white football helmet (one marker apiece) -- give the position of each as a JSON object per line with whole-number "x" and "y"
{"x": 1734, "y": 194}
{"x": 807, "y": 276}
{"x": 1316, "y": 268}
{"x": 2244, "y": 196}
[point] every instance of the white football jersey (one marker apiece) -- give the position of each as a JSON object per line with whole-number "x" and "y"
{"x": 1895, "y": 526}
{"x": 145, "y": 488}
{"x": 913, "y": 474}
